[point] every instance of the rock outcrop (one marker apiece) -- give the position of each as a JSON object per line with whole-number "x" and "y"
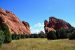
{"x": 55, "y": 24}
{"x": 14, "y": 24}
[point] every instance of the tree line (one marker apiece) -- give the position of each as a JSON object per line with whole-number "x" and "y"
{"x": 7, "y": 37}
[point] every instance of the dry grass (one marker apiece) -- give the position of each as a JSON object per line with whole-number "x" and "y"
{"x": 40, "y": 44}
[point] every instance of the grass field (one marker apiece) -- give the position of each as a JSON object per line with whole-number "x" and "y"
{"x": 39, "y": 44}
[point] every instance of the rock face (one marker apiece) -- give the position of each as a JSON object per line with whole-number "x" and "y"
{"x": 14, "y": 24}
{"x": 55, "y": 24}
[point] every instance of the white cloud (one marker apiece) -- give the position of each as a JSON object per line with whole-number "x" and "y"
{"x": 37, "y": 28}
{"x": 39, "y": 25}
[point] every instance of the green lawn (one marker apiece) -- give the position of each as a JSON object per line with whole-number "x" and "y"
{"x": 39, "y": 44}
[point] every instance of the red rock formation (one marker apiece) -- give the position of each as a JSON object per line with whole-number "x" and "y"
{"x": 26, "y": 24}
{"x": 56, "y": 24}
{"x": 14, "y": 24}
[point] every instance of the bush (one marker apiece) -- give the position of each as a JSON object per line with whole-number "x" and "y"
{"x": 16, "y": 36}
{"x": 34, "y": 36}
{"x": 2, "y": 37}
{"x": 23, "y": 36}
{"x": 8, "y": 38}
{"x": 26, "y": 36}
{"x": 58, "y": 34}
{"x": 13, "y": 36}
{"x": 42, "y": 35}
{"x": 7, "y": 33}
{"x": 20, "y": 36}
{"x": 51, "y": 35}
{"x": 61, "y": 34}
{"x": 72, "y": 36}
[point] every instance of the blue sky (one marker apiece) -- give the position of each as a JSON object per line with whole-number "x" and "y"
{"x": 36, "y": 11}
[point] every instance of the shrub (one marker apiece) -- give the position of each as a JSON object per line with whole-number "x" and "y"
{"x": 61, "y": 34}
{"x": 42, "y": 35}
{"x": 34, "y": 36}
{"x": 72, "y": 36}
{"x": 22, "y": 36}
{"x": 7, "y": 33}
{"x": 51, "y": 35}
{"x": 13, "y": 36}
{"x": 16, "y": 36}
{"x": 27, "y": 36}
{"x": 58, "y": 34}
{"x": 8, "y": 38}
{"x": 2, "y": 37}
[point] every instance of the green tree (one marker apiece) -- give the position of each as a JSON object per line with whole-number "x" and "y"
{"x": 51, "y": 35}
{"x": 2, "y": 37}
{"x": 72, "y": 36}
{"x": 41, "y": 34}
{"x": 61, "y": 34}
{"x": 8, "y": 36}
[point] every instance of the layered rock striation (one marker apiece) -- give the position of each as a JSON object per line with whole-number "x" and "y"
{"x": 56, "y": 24}
{"x": 14, "y": 24}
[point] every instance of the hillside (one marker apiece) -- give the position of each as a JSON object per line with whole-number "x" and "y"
{"x": 13, "y": 22}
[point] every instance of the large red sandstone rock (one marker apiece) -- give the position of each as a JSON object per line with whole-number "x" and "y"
{"x": 14, "y": 24}
{"x": 56, "y": 24}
